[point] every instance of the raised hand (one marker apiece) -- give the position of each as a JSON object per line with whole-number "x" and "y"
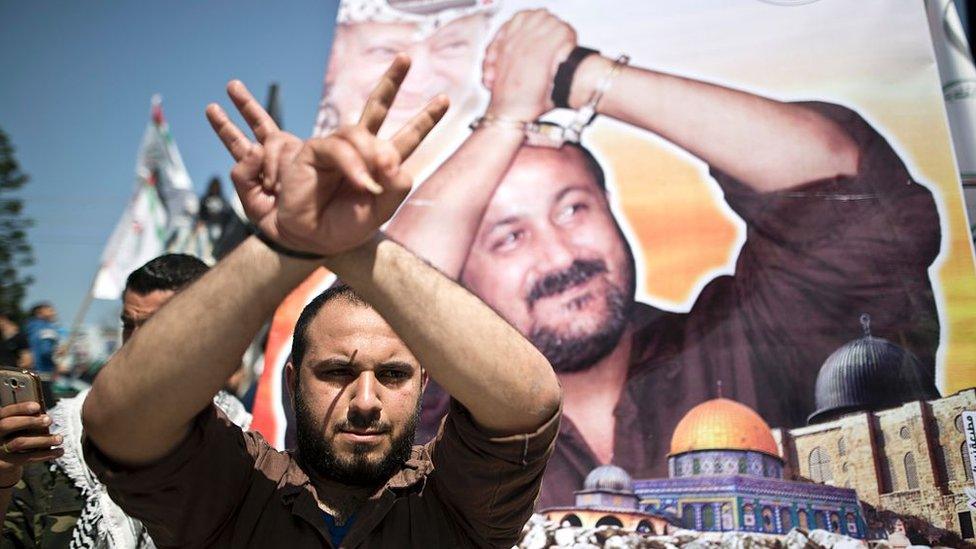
{"x": 521, "y": 61}
{"x": 333, "y": 193}
{"x": 256, "y": 175}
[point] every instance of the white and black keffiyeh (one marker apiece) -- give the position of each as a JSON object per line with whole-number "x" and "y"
{"x": 102, "y": 523}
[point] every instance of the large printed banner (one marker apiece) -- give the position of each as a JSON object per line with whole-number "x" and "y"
{"x": 762, "y": 182}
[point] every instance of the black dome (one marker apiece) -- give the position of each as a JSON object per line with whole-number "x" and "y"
{"x": 869, "y": 373}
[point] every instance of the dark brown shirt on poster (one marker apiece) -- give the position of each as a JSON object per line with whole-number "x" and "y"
{"x": 815, "y": 258}
{"x": 226, "y": 488}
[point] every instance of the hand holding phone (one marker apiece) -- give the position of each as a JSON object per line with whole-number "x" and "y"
{"x": 25, "y": 435}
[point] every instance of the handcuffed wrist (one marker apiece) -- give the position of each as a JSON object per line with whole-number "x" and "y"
{"x": 588, "y": 76}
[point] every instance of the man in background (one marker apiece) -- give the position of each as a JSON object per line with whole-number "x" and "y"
{"x": 66, "y": 506}
{"x": 44, "y": 336}
{"x": 14, "y": 348}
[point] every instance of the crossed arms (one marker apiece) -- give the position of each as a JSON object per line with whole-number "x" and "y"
{"x": 324, "y": 196}
{"x": 766, "y": 144}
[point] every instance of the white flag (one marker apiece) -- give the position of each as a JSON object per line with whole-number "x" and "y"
{"x": 162, "y": 209}
{"x": 958, "y": 77}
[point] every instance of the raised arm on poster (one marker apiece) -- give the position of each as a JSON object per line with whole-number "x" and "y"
{"x": 766, "y": 144}
{"x": 835, "y": 225}
{"x": 325, "y": 198}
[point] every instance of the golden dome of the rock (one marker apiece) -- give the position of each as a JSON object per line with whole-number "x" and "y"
{"x": 722, "y": 424}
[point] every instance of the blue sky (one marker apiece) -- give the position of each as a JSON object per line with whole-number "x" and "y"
{"x": 77, "y": 78}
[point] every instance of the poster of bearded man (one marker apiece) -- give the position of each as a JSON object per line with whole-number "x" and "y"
{"x": 668, "y": 197}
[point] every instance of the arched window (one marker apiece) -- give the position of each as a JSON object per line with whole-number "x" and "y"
{"x": 767, "y": 517}
{"x": 819, "y": 463}
{"x": 645, "y": 527}
{"x": 852, "y": 525}
{"x": 571, "y": 520}
{"x": 820, "y": 520}
{"x": 803, "y": 519}
{"x": 609, "y": 520}
{"x": 708, "y": 518}
{"x": 841, "y": 447}
{"x": 904, "y": 433}
{"x": 834, "y": 522}
{"x": 911, "y": 474}
{"x": 727, "y": 520}
{"x": 688, "y": 516}
{"x": 785, "y": 519}
{"x": 966, "y": 463}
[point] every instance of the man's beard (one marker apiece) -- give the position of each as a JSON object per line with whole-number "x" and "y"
{"x": 575, "y": 352}
{"x": 320, "y": 455}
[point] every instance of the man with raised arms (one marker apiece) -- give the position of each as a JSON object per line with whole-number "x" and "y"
{"x": 835, "y": 227}
{"x": 362, "y": 355}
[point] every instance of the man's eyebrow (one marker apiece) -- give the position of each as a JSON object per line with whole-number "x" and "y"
{"x": 397, "y": 364}
{"x": 334, "y": 362}
{"x": 562, "y": 194}
{"x": 510, "y": 220}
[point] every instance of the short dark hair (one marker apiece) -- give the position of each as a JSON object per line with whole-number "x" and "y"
{"x": 36, "y": 308}
{"x": 167, "y": 272}
{"x": 299, "y": 342}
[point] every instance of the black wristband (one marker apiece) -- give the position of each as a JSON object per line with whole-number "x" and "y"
{"x": 563, "y": 81}
{"x": 278, "y": 248}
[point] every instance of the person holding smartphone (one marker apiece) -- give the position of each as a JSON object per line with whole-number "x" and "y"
{"x": 62, "y": 504}
{"x": 361, "y": 357}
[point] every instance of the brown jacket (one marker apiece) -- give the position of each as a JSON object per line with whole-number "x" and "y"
{"x": 226, "y": 488}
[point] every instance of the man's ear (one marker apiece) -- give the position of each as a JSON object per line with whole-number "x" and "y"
{"x": 424, "y": 378}
{"x": 291, "y": 378}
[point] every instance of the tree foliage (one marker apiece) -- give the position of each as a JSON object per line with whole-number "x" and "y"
{"x": 15, "y": 250}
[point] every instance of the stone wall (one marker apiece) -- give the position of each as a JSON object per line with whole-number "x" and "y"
{"x": 869, "y": 452}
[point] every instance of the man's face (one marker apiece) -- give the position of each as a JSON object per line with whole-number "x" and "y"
{"x": 137, "y": 308}
{"x": 443, "y": 62}
{"x": 550, "y": 258}
{"x": 47, "y": 313}
{"x": 356, "y": 396}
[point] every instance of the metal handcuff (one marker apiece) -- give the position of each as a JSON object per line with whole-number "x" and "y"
{"x": 540, "y": 133}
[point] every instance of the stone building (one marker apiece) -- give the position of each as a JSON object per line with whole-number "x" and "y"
{"x": 911, "y": 459}
{"x": 880, "y": 428}
{"x": 726, "y": 474}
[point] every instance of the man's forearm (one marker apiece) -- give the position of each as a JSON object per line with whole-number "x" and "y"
{"x": 440, "y": 220}
{"x": 142, "y": 403}
{"x": 766, "y": 144}
{"x": 481, "y": 360}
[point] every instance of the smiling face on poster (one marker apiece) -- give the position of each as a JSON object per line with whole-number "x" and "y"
{"x": 445, "y": 40}
{"x": 739, "y": 183}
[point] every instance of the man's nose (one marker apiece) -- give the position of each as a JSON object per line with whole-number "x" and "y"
{"x": 555, "y": 252}
{"x": 418, "y": 80}
{"x": 365, "y": 402}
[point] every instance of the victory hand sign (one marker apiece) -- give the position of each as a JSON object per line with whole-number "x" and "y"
{"x": 326, "y": 195}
